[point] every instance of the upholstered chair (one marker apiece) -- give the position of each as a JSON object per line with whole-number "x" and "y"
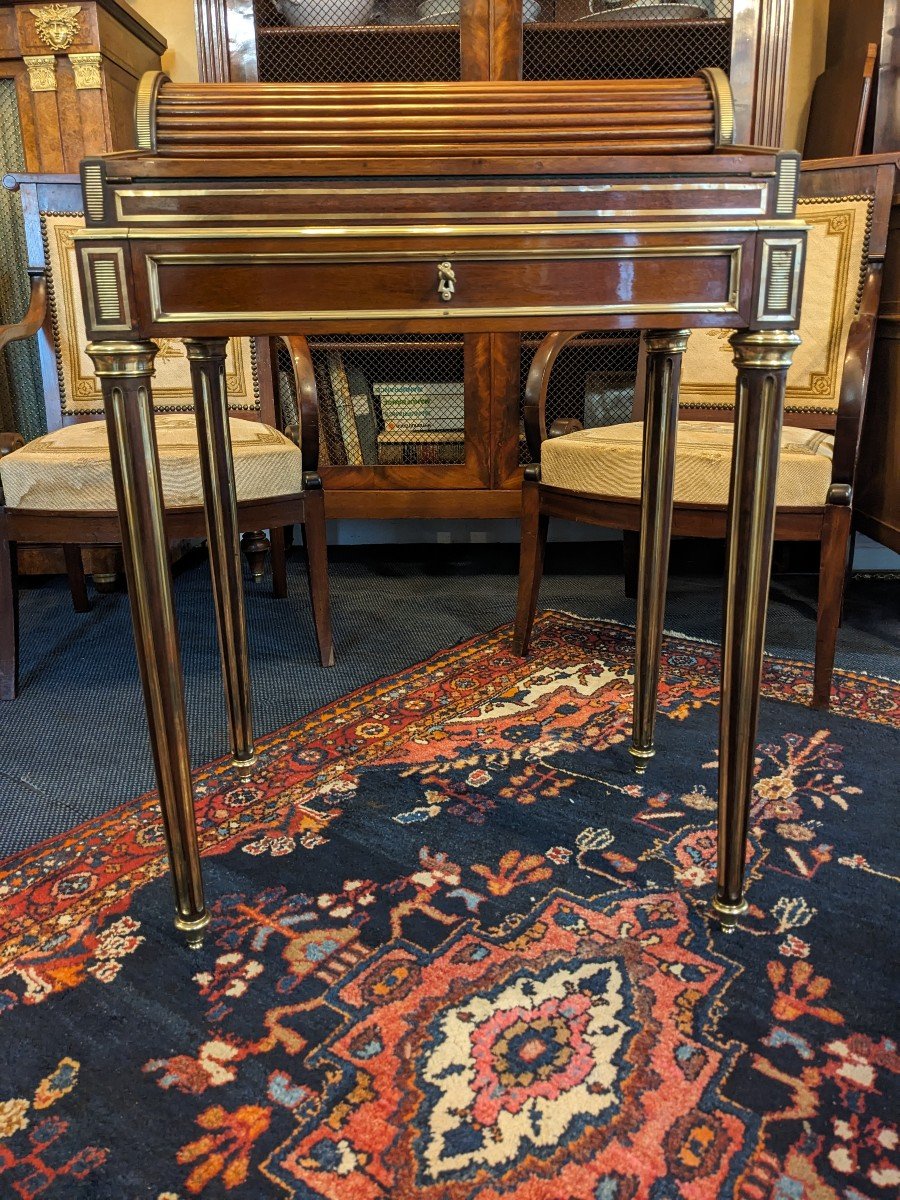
{"x": 58, "y": 489}
{"x": 594, "y": 474}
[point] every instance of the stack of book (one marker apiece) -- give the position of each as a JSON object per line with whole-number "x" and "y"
{"x": 386, "y": 423}
{"x": 421, "y": 422}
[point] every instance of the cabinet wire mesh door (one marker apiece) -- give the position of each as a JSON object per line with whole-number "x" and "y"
{"x": 410, "y": 389}
{"x": 386, "y": 401}
{"x": 356, "y": 41}
{"x": 21, "y": 391}
{"x": 625, "y": 39}
{"x": 592, "y": 380}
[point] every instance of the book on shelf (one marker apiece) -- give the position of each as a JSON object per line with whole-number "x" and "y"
{"x": 421, "y": 447}
{"x": 432, "y": 406}
{"x": 347, "y": 417}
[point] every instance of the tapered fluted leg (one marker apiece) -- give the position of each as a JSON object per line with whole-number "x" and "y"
{"x": 533, "y": 535}
{"x": 207, "y": 359}
{"x": 124, "y": 370}
{"x": 762, "y": 359}
{"x": 664, "y": 353}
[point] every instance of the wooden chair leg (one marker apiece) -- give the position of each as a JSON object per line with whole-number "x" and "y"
{"x": 278, "y": 558}
{"x": 9, "y": 620}
{"x": 631, "y": 554}
{"x": 531, "y": 562}
{"x": 77, "y": 581}
{"x": 255, "y": 546}
{"x": 832, "y": 575}
{"x": 316, "y": 542}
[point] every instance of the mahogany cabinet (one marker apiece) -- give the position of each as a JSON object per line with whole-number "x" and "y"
{"x": 446, "y": 410}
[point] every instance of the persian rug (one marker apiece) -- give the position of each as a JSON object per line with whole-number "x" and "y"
{"x": 459, "y": 950}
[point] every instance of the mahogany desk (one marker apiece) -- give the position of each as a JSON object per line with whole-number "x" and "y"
{"x": 261, "y": 209}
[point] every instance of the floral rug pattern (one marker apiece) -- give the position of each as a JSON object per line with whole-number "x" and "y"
{"x": 459, "y": 950}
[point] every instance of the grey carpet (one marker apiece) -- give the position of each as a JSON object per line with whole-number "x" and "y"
{"x": 74, "y": 744}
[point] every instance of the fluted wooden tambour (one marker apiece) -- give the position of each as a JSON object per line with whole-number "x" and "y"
{"x": 486, "y": 209}
{"x": 591, "y": 117}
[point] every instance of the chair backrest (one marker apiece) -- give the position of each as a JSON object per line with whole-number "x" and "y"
{"x": 52, "y": 208}
{"x": 837, "y": 266}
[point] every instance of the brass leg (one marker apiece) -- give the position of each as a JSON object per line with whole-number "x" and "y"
{"x": 207, "y": 359}
{"x": 124, "y": 370}
{"x": 664, "y": 352}
{"x": 762, "y": 359}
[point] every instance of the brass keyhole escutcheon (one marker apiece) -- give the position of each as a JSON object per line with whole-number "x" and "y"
{"x": 446, "y": 280}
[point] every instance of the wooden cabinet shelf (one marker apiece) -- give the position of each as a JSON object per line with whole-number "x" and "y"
{"x": 355, "y": 31}
{"x": 666, "y": 27}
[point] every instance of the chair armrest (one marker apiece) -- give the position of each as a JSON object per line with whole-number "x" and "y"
{"x": 34, "y": 318}
{"x": 854, "y": 384}
{"x": 307, "y": 436}
{"x": 535, "y": 410}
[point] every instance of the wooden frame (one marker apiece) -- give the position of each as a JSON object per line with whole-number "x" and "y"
{"x": 828, "y": 524}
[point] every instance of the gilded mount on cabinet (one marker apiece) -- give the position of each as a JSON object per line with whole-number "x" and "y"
{"x": 56, "y": 24}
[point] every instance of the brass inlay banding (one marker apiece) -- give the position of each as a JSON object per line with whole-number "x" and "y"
{"x": 92, "y": 176}
{"x": 788, "y": 178}
{"x": 724, "y": 104}
{"x": 145, "y": 109}
{"x": 733, "y": 252}
{"x": 99, "y": 299}
{"x": 106, "y": 287}
{"x": 455, "y": 230}
{"x": 780, "y": 277}
{"x": 784, "y": 258}
{"x": 760, "y": 187}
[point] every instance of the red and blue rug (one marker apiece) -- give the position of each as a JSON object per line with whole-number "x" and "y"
{"x": 459, "y": 950}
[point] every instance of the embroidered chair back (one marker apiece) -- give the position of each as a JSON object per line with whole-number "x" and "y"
{"x": 836, "y": 270}
{"x": 79, "y": 388}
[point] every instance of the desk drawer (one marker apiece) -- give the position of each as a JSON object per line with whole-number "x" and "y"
{"x": 528, "y": 285}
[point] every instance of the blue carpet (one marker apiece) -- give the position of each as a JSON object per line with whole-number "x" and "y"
{"x": 73, "y": 745}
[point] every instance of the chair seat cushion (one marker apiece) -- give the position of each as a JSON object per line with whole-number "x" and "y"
{"x": 70, "y": 470}
{"x": 607, "y": 462}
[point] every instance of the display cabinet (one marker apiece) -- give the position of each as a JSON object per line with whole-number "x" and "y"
{"x": 432, "y": 426}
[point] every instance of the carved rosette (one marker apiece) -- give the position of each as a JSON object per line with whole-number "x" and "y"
{"x": 41, "y": 72}
{"x": 86, "y": 69}
{"x": 56, "y": 24}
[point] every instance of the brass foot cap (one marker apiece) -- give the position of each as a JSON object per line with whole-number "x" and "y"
{"x": 727, "y": 914}
{"x": 193, "y": 929}
{"x": 244, "y": 766}
{"x": 641, "y": 757}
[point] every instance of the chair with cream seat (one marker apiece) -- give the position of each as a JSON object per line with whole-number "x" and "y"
{"x": 595, "y": 475}
{"x": 58, "y": 489}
